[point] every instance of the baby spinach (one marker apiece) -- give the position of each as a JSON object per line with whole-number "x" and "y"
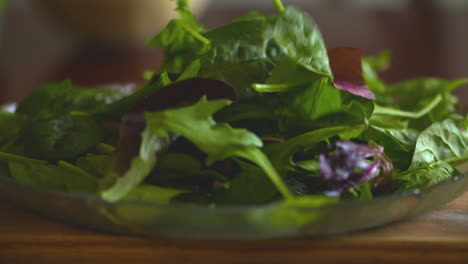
{"x": 57, "y": 99}
{"x": 423, "y": 177}
{"x": 442, "y": 141}
{"x": 60, "y": 177}
{"x": 63, "y": 137}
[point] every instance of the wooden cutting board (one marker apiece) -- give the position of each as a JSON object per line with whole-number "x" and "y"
{"x": 440, "y": 236}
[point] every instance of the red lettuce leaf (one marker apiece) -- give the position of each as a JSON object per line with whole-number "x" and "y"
{"x": 347, "y": 71}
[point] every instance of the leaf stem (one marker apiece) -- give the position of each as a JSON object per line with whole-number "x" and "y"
{"x": 382, "y": 110}
{"x": 76, "y": 169}
{"x": 105, "y": 148}
{"x": 197, "y": 35}
{"x": 271, "y": 88}
{"x": 8, "y": 156}
{"x": 279, "y": 6}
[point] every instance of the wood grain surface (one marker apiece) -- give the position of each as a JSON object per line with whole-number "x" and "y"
{"x": 437, "y": 237}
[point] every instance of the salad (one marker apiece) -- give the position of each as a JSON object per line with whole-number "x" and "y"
{"x": 253, "y": 112}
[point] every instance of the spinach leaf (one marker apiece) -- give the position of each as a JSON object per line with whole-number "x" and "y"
{"x": 11, "y": 129}
{"x": 300, "y": 39}
{"x": 286, "y": 75}
{"x": 61, "y": 177}
{"x": 61, "y": 138}
{"x": 248, "y": 50}
{"x": 56, "y": 99}
{"x": 289, "y": 111}
{"x": 250, "y": 186}
{"x": 426, "y": 100}
{"x": 415, "y": 114}
{"x": 442, "y": 141}
{"x": 424, "y": 176}
{"x": 241, "y": 53}
{"x": 313, "y": 102}
{"x": 413, "y": 90}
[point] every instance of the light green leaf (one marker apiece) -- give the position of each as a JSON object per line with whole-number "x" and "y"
{"x": 281, "y": 153}
{"x": 140, "y": 167}
{"x": 442, "y": 141}
{"x": 191, "y": 72}
{"x": 181, "y": 40}
{"x": 218, "y": 140}
{"x": 424, "y": 176}
{"x": 61, "y": 177}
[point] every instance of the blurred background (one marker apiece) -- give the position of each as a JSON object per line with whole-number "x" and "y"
{"x": 97, "y": 42}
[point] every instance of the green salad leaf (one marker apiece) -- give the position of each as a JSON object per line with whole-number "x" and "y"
{"x": 423, "y": 177}
{"x": 218, "y": 140}
{"x": 60, "y": 177}
{"x": 442, "y": 141}
{"x": 256, "y": 111}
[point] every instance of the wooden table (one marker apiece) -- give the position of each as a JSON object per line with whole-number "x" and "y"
{"x": 437, "y": 237}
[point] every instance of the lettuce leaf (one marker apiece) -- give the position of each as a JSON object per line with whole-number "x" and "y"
{"x": 218, "y": 140}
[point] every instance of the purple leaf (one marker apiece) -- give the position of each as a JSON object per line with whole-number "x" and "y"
{"x": 360, "y": 90}
{"x": 348, "y": 164}
{"x": 347, "y": 71}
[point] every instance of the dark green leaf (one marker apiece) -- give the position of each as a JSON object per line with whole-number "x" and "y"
{"x": 118, "y": 108}
{"x": 96, "y": 165}
{"x": 56, "y": 99}
{"x": 248, "y": 50}
{"x": 65, "y": 137}
{"x": 250, "y": 186}
{"x": 300, "y": 39}
{"x": 11, "y": 129}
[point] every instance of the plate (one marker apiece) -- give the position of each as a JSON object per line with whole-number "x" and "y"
{"x": 274, "y": 220}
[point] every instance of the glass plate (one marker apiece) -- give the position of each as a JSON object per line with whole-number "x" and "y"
{"x": 275, "y": 220}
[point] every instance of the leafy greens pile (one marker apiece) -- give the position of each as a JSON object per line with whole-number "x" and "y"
{"x": 251, "y": 112}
